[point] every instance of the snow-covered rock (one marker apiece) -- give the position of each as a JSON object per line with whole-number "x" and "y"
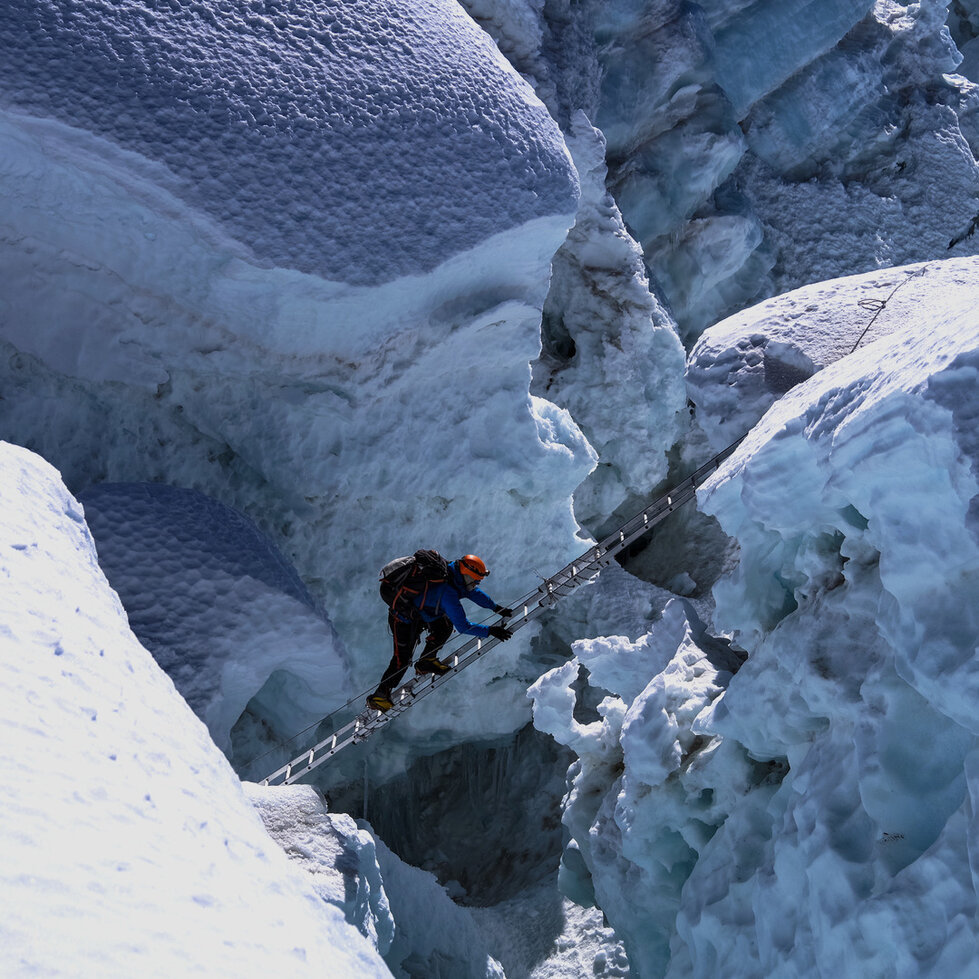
{"x": 128, "y": 846}
{"x": 219, "y": 607}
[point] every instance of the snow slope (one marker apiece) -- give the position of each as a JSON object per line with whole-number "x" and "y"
{"x": 809, "y": 811}
{"x": 741, "y": 366}
{"x": 128, "y": 845}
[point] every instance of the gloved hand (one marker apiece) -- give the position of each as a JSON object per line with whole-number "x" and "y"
{"x": 501, "y": 610}
{"x": 500, "y": 632}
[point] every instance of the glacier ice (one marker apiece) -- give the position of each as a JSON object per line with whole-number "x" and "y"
{"x": 641, "y": 796}
{"x": 143, "y": 343}
{"x": 172, "y": 318}
{"x": 340, "y": 858}
{"x": 794, "y": 811}
{"x": 402, "y": 910}
{"x": 309, "y": 132}
{"x": 841, "y": 144}
{"x": 610, "y": 351}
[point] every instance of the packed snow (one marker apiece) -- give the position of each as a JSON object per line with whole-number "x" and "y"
{"x": 741, "y": 366}
{"x": 129, "y": 847}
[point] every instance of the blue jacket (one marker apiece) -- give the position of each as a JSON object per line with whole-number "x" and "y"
{"x": 444, "y": 599}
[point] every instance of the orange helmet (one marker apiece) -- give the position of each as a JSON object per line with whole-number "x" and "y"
{"x": 474, "y": 567}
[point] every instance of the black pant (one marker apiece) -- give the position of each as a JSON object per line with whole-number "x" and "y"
{"x": 406, "y": 636}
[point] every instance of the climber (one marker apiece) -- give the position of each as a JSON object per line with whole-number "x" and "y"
{"x": 423, "y": 593}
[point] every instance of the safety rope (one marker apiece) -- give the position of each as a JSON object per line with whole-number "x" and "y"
{"x": 530, "y": 607}
{"x": 877, "y": 306}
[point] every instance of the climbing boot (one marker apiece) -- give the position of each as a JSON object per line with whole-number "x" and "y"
{"x": 429, "y": 664}
{"x": 380, "y": 701}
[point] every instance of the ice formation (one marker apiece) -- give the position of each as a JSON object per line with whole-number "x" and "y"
{"x": 340, "y": 859}
{"x": 219, "y": 607}
{"x": 150, "y": 335}
{"x": 292, "y": 258}
{"x": 842, "y": 143}
{"x": 611, "y": 355}
{"x": 129, "y": 846}
{"x": 786, "y": 815}
{"x": 403, "y": 911}
{"x": 368, "y": 119}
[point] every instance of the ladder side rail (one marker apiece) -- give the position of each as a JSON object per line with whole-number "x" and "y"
{"x": 530, "y": 607}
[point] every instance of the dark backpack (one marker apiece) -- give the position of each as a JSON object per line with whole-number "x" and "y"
{"x": 406, "y": 577}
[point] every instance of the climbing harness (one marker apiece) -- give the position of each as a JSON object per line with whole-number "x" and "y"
{"x": 530, "y": 607}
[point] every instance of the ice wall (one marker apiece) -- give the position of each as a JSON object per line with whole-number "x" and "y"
{"x": 757, "y": 147}
{"x": 170, "y": 319}
{"x": 610, "y": 355}
{"x": 810, "y": 810}
{"x": 129, "y": 847}
{"x": 642, "y": 799}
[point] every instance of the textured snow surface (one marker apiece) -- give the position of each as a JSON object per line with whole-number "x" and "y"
{"x": 352, "y": 424}
{"x": 542, "y": 935}
{"x": 358, "y": 140}
{"x": 809, "y": 811}
{"x": 744, "y": 364}
{"x": 128, "y": 846}
{"x": 340, "y": 859}
{"x": 404, "y": 912}
{"x": 218, "y": 606}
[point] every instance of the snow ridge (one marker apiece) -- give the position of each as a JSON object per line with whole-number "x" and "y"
{"x": 311, "y": 132}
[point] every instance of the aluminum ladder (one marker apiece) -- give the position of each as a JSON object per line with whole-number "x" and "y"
{"x": 530, "y": 607}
